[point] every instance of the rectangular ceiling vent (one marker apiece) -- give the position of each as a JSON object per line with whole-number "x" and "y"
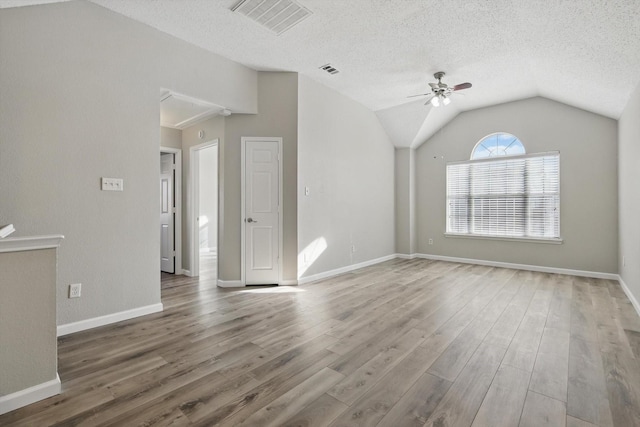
{"x": 275, "y": 15}
{"x": 329, "y": 69}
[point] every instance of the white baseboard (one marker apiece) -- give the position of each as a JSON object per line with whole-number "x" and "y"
{"x": 345, "y": 269}
{"x": 186, "y": 273}
{"x": 581, "y": 273}
{"x": 13, "y": 401}
{"x": 543, "y": 269}
{"x": 406, "y": 256}
{"x": 631, "y": 297}
{"x": 239, "y": 284}
{"x": 94, "y": 322}
{"x": 230, "y": 284}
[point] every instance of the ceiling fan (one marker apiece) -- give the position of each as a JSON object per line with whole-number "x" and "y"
{"x": 440, "y": 91}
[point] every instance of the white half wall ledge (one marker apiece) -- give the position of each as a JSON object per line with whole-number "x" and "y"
{"x": 30, "y": 243}
{"x": 345, "y": 269}
{"x": 94, "y": 322}
{"x": 230, "y": 284}
{"x": 13, "y": 401}
{"x": 632, "y": 298}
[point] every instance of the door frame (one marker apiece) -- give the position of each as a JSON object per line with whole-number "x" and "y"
{"x": 194, "y": 203}
{"x": 177, "y": 196}
{"x": 243, "y": 215}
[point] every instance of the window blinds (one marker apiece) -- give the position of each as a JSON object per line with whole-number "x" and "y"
{"x": 508, "y": 197}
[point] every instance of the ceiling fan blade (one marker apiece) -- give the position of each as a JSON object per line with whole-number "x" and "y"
{"x": 421, "y": 94}
{"x": 429, "y": 99}
{"x": 433, "y": 85}
{"x": 462, "y": 86}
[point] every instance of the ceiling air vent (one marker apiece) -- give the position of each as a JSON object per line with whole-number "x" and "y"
{"x": 275, "y": 15}
{"x": 329, "y": 69}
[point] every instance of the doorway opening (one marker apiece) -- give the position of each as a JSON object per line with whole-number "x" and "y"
{"x": 204, "y": 212}
{"x": 171, "y": 210}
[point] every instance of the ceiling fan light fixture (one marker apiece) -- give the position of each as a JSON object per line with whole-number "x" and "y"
{"x": 440, "y": 92}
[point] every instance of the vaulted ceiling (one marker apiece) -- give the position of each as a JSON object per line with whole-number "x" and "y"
{"x": 585, "y": 53}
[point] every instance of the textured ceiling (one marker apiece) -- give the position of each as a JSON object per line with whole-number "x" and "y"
{"x": 585, "y": 53}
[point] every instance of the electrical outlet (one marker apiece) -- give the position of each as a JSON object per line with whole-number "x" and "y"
{"x": 353, "y": 248}
{"x": 74, "y": 290}
{"x": 431, "y": 241}
{"x": 624, "y": 261}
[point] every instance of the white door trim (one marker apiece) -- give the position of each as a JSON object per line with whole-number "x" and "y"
{"x": 194, "y": 202}
{"x": 243, "y": 145}
{"x": 177, "y": 182}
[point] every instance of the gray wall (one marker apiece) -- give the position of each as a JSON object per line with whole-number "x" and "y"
{"x": 79, "y": 99}
{"x": 347, "y": 161}
{"x": 277, "y": 117}
{"x": 589, "y": 188}
{"x": 629, "y": 193}
{"x": 28, "y": 346}
{"x": 171, "y": 138}
{"x": 405, "y": 209}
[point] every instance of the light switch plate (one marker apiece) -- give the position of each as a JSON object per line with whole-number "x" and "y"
{"x": 112, "y": 184}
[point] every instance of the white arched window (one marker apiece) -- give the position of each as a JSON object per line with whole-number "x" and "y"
{"x": 498, "y": 144}
{"x": 504, "y": 192}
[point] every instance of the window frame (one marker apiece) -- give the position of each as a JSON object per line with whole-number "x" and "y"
{"x": 531, "y": 239}
{"x": 496, "y": 134}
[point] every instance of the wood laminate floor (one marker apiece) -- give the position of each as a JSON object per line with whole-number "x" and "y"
{"x": 401, "y": 343}
{"x": 208, "y": 265}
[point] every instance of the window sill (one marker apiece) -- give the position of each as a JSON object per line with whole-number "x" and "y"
{"x": 551, "y": 241}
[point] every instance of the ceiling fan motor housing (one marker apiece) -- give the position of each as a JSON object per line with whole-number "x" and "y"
{"x": 441, "y": 90}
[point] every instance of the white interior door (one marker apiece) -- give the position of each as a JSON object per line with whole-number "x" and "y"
{"x": 261, "y": 211}
{"x": 167, "y": 249}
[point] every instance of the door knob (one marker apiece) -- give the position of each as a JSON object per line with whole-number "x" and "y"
{"x": 251, "y": 220}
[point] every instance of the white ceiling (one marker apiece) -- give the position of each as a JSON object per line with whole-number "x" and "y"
{"x": 179, "y": 111}
{"x": 585, "y": 53}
